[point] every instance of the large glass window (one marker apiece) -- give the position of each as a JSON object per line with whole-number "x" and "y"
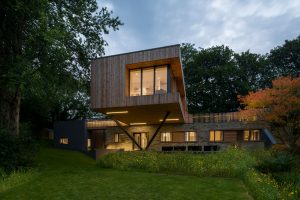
{"x": 161, "y": 80}
{"x": 215, "y": 136}
{"x": 190, "y": 136}
{"x": 148, "y": 79}
{"x": 135, "y": 82}
{"x": 166, "y": 137}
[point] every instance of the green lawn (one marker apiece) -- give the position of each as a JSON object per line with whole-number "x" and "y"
{"x": 72, "y": 175}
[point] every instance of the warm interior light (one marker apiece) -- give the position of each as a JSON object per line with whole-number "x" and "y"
{"x": 138, "y": 123}
{"x": 170, "y": 119}
{"x": 117, "y": 112}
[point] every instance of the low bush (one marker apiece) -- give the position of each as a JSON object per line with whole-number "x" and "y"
{"x": 261, "y": 186}
{"x": 230, "y": 163}
{"x": 275, "y": 162}
{"x": 16, "y": 178}
{"x": 16, "y": 152}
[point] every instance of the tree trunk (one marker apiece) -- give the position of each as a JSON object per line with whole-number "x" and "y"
{"x": 10, "y": 109}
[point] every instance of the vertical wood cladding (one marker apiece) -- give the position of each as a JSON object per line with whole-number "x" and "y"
{"x": 109, "y": 84}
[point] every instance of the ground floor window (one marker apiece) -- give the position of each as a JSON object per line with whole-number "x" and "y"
{"x": 166, "y": 137}
{"x": 190, "y": 136}
{"x": 251, "y": 135}
{"x": 216, "y": 136}
{"x": 116, "y": 137}
{"x": 89, "y": 143}
{"x": 64, "y": 141}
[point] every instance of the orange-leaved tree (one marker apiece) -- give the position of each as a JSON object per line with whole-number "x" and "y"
{"x": 281, "y": 104}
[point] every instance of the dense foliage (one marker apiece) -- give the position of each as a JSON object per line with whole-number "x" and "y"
{"x": 17, "y": 153}
{"x": 45, "y": 53}
{"x": 282, "y": 101}
{"x": 217, "y": 75}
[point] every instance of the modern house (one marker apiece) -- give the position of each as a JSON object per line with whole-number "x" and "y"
{"x": 143, "y": 95}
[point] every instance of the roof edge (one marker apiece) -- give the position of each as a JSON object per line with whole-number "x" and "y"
{"x": 136, "y": 51}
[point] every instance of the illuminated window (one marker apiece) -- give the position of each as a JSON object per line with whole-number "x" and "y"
{"x": 166, "y": 137}
{"x": 251, "y": 135}
{"x": 135, "y": 82}
{"x": 64, "y": 141}
{"x": 215, "y": 136}
{"x": 116, "y": 137}
{"x": 148, "y": 81}
{"x": 89, "y": 143}
{"x": 161, "y": 80}
{"x": 246, "y": 135}
{"x": 190, "y": 136}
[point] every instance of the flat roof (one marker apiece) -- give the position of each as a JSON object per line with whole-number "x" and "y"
{"x": 136, "y": 51}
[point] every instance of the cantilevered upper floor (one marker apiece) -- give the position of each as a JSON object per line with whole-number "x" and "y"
{"x": 140, "y": 87}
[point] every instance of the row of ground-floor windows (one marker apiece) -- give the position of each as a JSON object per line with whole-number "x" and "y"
{"x": 248, "y": 135}
{"x": 189, "y": 136}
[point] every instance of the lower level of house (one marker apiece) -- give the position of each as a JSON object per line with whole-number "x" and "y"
{"x": 97, "y": 137}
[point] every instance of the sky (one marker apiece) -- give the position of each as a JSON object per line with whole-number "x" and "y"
{"x": 255, "y": 25}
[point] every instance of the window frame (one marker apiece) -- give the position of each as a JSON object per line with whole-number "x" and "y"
{"x": 64, "y": 141}
{"x": 252, "y": 133}
{"x": 161, "y": 137}
{"x": 214, "y": 133}
{"x": 187, "y": 137}
{"x": 167, "y": 66}
{"x": 116, "y": 139}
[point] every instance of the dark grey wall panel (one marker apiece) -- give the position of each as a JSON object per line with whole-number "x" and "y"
{"x": 74, "y": 130}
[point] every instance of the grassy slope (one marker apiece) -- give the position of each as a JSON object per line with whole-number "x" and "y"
{"x": 71, "y": 175}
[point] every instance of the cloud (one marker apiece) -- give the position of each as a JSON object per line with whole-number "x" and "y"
{"x": 256, "y": 25}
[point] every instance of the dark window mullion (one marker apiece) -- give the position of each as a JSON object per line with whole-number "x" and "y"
{"x": 154, "y": 79}
{"x": 141, "y": 82}
{"x": 168, "y": 78}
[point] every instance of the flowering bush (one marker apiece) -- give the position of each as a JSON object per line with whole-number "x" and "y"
{"x": 230, "y": 163}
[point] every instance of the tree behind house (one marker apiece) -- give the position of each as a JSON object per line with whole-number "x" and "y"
{"x": 283, "y": 108}
{"x": 44, "y": 40}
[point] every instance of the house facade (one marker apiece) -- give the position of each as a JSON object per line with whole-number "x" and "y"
{"x": 143, "y": 95}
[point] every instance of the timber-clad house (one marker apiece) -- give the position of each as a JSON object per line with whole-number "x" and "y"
{"x": 143, "y": 95}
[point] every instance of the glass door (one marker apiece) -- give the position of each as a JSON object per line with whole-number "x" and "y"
{"x": 141, "y": 139}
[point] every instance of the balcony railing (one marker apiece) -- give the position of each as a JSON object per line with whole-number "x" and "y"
{"x": 228, "y": 117}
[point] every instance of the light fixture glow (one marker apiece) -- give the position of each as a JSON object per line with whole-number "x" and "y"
{"x": 117, "y": 112}
{"x": 138, "y": 123}
{"x": 170, "y": 119}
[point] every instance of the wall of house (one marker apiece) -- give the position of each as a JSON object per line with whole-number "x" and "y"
{"x": 232, "y": 135}
{"x": 109, "y": 76}
{"x": 75, "y": 131}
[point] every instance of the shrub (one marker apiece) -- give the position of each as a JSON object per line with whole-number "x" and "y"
{"x": 16, "y": 178}
{"x": 230, "y": 163}
{"x": 275, "y": 162}
{"x": 261, "y": 186}
{"x": 16, "y": 152}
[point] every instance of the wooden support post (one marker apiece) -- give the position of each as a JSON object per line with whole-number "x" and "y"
{"x": 157, "y": 130}
{"x": 128, "y": 134}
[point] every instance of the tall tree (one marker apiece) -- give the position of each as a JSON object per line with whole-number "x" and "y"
{"x": 47, "y": 39}
{"x": 283, "y": 108}
{"x": 285, "y": 59}
{"x": 215, "y": 76}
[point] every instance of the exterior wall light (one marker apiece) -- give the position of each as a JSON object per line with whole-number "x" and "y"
{"x": 138, "y": 123}
{"x": 117, "y": 112}
{"x": 170, "y": 119}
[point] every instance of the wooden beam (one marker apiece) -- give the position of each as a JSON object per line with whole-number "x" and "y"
{"x": 128, "y": 134}
{"x": 157, "y": 130}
